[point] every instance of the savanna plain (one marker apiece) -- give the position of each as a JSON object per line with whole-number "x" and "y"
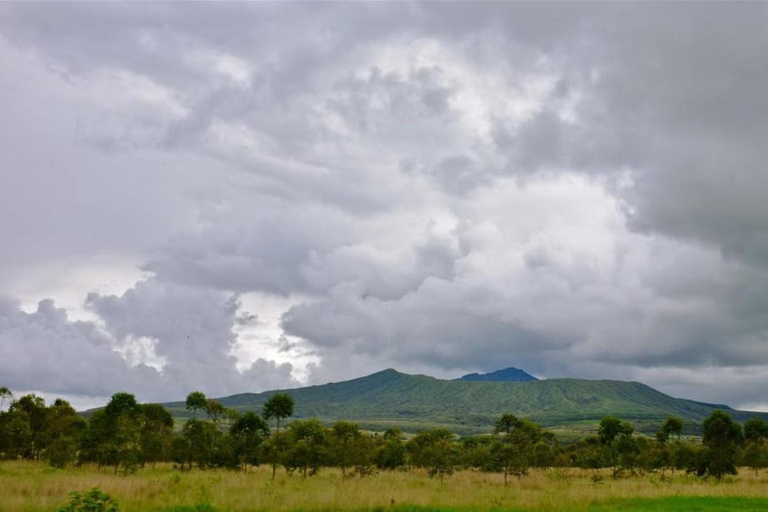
{"x": 31, "y": 486}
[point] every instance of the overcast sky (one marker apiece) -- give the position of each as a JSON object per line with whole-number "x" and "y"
{"x": 239, "y": 197}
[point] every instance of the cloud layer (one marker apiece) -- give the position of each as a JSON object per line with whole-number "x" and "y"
{"x": 246, "y": 196}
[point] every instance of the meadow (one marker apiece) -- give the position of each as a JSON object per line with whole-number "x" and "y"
{"x": 30, "y": 486}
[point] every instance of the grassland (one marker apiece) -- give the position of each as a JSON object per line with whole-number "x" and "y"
{"x": 29, "y": 487}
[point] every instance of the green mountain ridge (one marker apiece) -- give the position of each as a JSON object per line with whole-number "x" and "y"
{"x": 416, "y": 402}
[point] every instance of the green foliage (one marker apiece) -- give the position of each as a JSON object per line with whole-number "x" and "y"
{"x": 672, "y": 427}
{"x": 722, "y": 437}
{"x": 516, "y": 450}
{"x": 279, "y": 407}
{"x": 611, "y": 428}
{"x": 196, "y": 401}
{"x": 345, "y": 445}
{"x": 249, "y": 432}
{"x": 390, "y": 453}
{"x": 416, "y": 402}
{"x": 434, "y": 450}
{"x": 94, "y": 500}
{"x": 308, "y": 443}
{"x": 756, "y": 430}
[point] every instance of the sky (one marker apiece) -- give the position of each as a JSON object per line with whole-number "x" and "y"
{"x": 235, "y": 197}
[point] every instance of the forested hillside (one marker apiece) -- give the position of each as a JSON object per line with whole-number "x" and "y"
{"x": 414, "y": 402}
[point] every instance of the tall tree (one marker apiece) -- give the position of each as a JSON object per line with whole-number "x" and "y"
{"x": 249, "y": 432}
{"x": 755, "y": 453}
{"x": 63, "y": 427}
{"x": 279, "y": 407}
{"x": 721, "y": 438}
{"x": 156, "y": 433}
{"x": 28, "y": 415}
{"x": 343, "y": 437}
{"x": 515, "y": 449}
{"x": 123, "y": 431}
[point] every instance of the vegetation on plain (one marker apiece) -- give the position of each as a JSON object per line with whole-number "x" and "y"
{"x": 127, "y": 441}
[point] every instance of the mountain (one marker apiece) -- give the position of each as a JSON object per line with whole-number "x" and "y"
{"x": 415, "y": 402}
{"x": 505, "y": 375}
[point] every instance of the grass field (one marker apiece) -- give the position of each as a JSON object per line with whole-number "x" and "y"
{"x": 31, "y": 487}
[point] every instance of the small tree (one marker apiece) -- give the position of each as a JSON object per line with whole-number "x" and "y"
{"x": 390, "y": 453}
{"x": 308, "y": 447}
{"x": 435, "y": 451}
{"x": 196, "y": 401}
{"x": 279, "y": 407}
{"x": 515, "y": 449}
{"x": 343, "y": 437}
{"x": 249, "y": 432}
{"x": 671, "y": 429}
{"x": 756, "y": 450}
{"x": 615, "y": 437}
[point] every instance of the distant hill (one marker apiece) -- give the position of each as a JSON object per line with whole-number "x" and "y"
{"x": 505, "y": 375}
{"x": 415, "y": 402}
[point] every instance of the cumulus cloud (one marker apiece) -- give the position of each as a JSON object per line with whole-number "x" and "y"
{"x": 571, "y": 188}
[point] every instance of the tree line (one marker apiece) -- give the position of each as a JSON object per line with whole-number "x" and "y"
{"x": 127, "y": 435}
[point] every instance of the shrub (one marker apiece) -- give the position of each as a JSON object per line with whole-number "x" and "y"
{"x": 94, "y": 500}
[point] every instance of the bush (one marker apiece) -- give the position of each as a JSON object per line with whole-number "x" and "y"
{"x": 94, "y": 500}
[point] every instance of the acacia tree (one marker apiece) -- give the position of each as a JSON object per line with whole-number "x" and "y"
{"x": 279, "y": 407}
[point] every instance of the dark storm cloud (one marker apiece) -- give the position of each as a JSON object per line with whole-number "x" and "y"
{"x": 577, "y": 189}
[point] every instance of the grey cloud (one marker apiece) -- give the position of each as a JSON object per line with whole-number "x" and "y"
{"x": 46, "y": 351}
{"x": 410, "y": 171}
{"x": 193, "y": 332}
{"x": 43, "y": 350}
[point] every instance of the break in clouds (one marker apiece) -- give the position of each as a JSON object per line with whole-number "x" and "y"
{"x": 239, "y": 197}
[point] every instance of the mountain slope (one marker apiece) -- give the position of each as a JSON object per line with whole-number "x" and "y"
{"x": 505, "y": 375}
{"x": 414, "y": 402}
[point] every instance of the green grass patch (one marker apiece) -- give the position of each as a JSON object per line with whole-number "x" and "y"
{"x": 689, "y": 503}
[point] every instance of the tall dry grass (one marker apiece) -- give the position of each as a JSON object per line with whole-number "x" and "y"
{"x": 30, "y": 487}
